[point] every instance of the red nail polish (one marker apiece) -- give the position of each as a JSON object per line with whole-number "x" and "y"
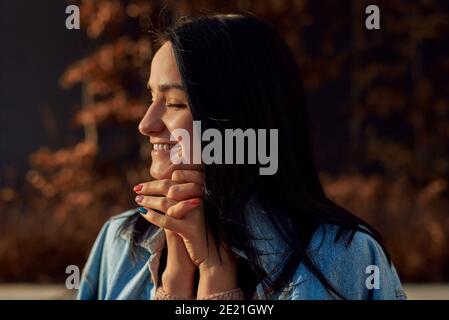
{"x": 138, "y": 187}
{"x": 194, "y": 201}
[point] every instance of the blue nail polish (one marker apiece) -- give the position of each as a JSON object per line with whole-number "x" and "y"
{"x": 142, "y": 210}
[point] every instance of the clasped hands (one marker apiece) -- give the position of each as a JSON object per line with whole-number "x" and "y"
{"x": 189, "y": 245}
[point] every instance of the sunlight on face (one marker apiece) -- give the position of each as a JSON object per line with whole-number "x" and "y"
{"x": 168, "y": 111}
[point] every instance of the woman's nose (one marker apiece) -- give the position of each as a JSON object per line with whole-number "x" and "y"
{"x": 151, "y": 122}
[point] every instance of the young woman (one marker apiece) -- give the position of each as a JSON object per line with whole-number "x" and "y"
{"x": 225, "y": 231}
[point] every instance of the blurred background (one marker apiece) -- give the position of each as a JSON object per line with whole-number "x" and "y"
{"x": 71, "y": 101}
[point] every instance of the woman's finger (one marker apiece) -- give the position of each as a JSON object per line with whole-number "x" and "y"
{"x": 181, "y": 209}
{"x": 185, "y": 191}
{"x": 184, "y": 176}
{"x": 155, "y": 187}
{"x": 161, "y": 220}
{"x": 158, "y": 203}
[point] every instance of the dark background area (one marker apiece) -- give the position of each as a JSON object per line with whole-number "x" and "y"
{"x": 34, "y": 110}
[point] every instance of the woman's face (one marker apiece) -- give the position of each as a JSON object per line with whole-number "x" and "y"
{"x": 168, "y": 111}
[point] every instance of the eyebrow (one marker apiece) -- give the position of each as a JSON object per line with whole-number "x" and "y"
{"x": 167, "y": 86}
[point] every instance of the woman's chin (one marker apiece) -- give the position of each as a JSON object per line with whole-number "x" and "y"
{"x": 161, "y": 170}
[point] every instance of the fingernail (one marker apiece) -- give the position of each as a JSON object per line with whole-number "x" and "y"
{"x": 142, "y": 210}
{"x": 194, "y": 201}
{"x": 138, "y": 187}
{"x": 138, "y": 198}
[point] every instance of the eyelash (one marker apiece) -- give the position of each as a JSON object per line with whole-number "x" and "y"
{"x": 172, "y": 105}
{"x": 175, "y": 105}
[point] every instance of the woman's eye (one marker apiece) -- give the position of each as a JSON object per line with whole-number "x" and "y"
{"x": 176, "y": 105}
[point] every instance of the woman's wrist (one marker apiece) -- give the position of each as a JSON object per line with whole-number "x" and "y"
{"x": 178, "y": 282}
{"x": 216, "y": 279}
{"x": 178, "y": 276}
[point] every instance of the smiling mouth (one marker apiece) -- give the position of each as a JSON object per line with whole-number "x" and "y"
{"x": 163, "y": 146}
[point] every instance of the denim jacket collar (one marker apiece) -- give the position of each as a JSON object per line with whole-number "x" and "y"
{"x": 153, "y": 241}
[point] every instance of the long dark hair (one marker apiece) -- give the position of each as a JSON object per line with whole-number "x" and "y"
{"x": 239, "y": 73}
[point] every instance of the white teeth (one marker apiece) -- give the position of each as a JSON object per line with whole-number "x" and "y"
{"x": 162, "y": 146}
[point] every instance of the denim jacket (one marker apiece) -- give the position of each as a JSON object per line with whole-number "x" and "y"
{"x": 358, "y": 271}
